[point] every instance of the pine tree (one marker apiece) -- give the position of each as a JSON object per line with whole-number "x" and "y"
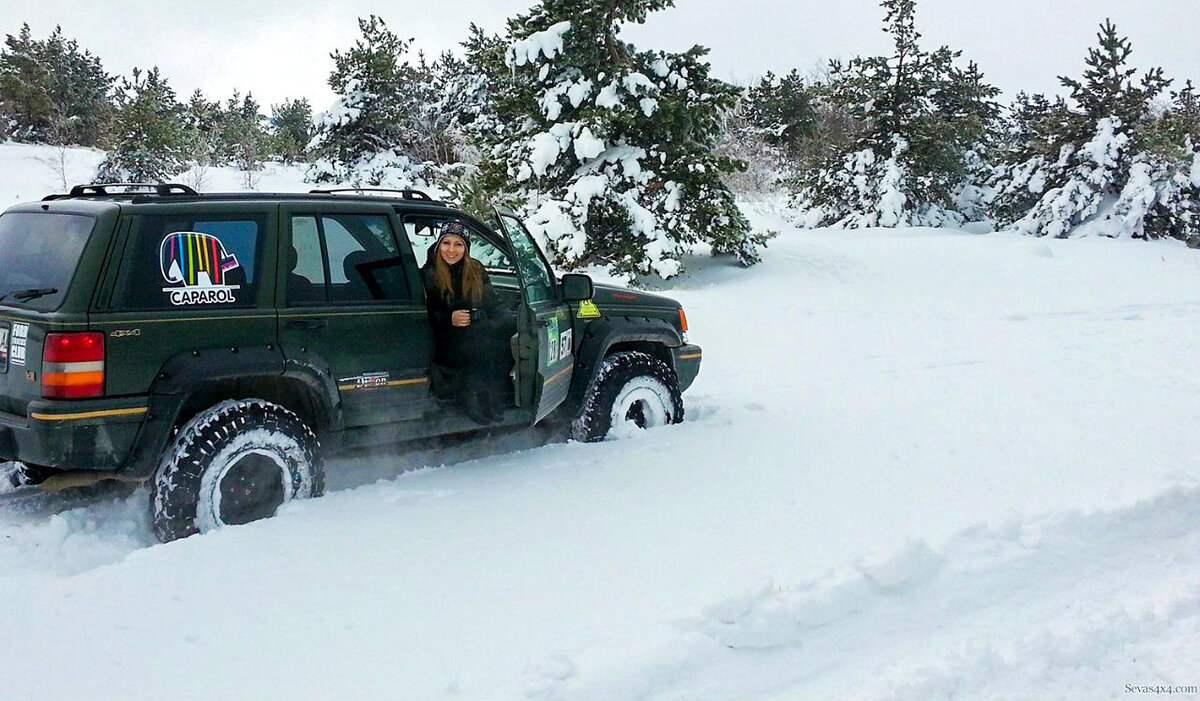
{"x": 52, "y": 92}
{"x": 1162, "y": 195}
{"x": 202, "y": 120}
{"x": 291, "y": 129}
{"x": 366, "y": 137}
{"x": 1087, "y": 168}
{"x": 1178, "y": 127}
{"x": 149, "y": 138}
{"x": 781, "y": 110}
{"x": 920, "y": 120}
{"x": 768, "y": 130}
{"x": 243, "y": 138}
{"x": 610, "y": 147}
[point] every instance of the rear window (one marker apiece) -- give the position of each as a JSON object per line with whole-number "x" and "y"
{"x": 38, "y": 255}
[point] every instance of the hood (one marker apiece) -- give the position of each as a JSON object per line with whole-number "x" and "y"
{"x": 611, "y": 295}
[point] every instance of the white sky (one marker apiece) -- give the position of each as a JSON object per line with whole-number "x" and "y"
{"x": 280, "y": 48}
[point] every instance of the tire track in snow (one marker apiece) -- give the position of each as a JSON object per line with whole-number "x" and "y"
{"x": 1063, "y": 606}
{"x": 76, "y": 530}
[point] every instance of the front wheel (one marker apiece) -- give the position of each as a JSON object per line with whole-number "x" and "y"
{"x": 631, "y": 390}
{"x": 233, "y": 463}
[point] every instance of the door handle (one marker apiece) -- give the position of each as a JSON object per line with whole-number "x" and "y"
{"x": 308, "y": 324}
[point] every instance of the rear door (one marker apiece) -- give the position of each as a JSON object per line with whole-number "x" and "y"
{"x": 40, "y": 252}
{"x": 185, "y": 277}
{"x": 351, "y": 299}
{"x": 545, "y": 361}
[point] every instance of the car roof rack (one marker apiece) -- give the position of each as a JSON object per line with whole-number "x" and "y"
{"x": 101, "y": 190}
{"x": 408, "y": 194}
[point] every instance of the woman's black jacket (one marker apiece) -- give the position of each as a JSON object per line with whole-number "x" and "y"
{"x": 460, "y": 346}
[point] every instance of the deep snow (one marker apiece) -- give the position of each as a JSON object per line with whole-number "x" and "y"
{"x": 916, "y": 464}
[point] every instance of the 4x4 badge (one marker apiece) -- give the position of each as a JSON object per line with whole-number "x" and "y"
{"x": 198, "y": 262}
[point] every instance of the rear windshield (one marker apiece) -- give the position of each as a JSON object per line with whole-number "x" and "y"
{"x": 38, "y": 254}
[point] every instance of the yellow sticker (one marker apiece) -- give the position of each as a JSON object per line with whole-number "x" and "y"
{"x": 588, "y": 309}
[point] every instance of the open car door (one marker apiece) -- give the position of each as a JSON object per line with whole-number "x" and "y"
{"x": 545, "y": 343}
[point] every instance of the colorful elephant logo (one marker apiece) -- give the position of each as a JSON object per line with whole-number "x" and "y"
{"x": 200, "y": 263}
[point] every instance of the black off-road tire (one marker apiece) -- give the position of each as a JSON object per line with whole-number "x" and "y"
{"x": 233, "y": 463}
{"x": 629, "y": 386}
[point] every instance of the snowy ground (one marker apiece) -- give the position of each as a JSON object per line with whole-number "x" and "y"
{"x": 917, "y": 464}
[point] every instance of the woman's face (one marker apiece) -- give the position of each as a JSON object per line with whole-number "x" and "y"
{"x": 452, "y": 249}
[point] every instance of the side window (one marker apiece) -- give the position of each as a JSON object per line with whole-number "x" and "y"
{"x": 172, "y": 262}
{"x": 341, "y": 258}
{"x": 422, "y": 232}
{"x": 306, "y": 271}
{"x": 539, "y": 283}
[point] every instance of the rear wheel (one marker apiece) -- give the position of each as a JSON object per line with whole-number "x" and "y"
{"x": 632, "y": 390}
{"x": 234, "y": 463}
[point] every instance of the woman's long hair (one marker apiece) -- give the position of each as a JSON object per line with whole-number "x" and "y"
{"x": 472, "y": 279}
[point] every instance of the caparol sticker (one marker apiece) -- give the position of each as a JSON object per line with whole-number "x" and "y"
{"x": 198, "y": 263}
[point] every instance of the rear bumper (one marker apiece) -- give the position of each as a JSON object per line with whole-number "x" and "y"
{"x": 73, "y": 435}
{"x": 687, "y": 364}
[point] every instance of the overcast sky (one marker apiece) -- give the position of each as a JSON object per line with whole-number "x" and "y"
{"x": 280, "y": 48}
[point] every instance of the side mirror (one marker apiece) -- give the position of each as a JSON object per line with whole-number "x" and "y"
{"x": 576, "y": 287}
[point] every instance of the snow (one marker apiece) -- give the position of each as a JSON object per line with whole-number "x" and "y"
{"x": 891, "y": 196}
{"x": 31, "y": 172}
{"x": 587, "y": 145}
{"x": 578, "y": 91}
{"x": 546, "y": 147}
{"x": 917, "y": 463}
{"x": 548, "y": 43}
{"x": 608, "y": 98}
{"x": 635, "y": 82}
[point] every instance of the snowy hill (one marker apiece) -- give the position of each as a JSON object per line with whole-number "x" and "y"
{"x": 916, "y": 464}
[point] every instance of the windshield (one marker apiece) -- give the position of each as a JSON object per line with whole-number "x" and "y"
{"x": 38, "y": 254}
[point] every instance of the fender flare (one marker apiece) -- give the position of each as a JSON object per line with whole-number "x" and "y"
{"x": 602, "y": 334}
{"x": 184, "y": 375}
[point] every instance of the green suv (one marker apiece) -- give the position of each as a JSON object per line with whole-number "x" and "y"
{"x": 220, "y": 346}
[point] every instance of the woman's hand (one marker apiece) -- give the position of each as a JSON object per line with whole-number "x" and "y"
{"x": 460, "y": 318}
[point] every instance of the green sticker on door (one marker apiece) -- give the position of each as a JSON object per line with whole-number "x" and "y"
{"x": 552, "y": 341}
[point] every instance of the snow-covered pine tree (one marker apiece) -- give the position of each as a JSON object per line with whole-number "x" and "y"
{"x": 610, "y": 147}
{"x": 773, "y": 120}
{"x": 52, "y": 92}
{"x": 449, "y": 99}
{"x": 921, "y": 120}
{"x": 781, "y": 109}
{"x": 149, "y": 141}
{"x": 1088, "y": 169}
{"x": 1162, "y": 195}
{"x": 366, "y": 138}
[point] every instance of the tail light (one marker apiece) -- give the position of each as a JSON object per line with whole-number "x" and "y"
{"x": 73, "y": 365}
{"x": 682, "y": 320}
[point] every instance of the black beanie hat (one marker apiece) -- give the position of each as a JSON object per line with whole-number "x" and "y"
{"x": 455, "y": 228}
